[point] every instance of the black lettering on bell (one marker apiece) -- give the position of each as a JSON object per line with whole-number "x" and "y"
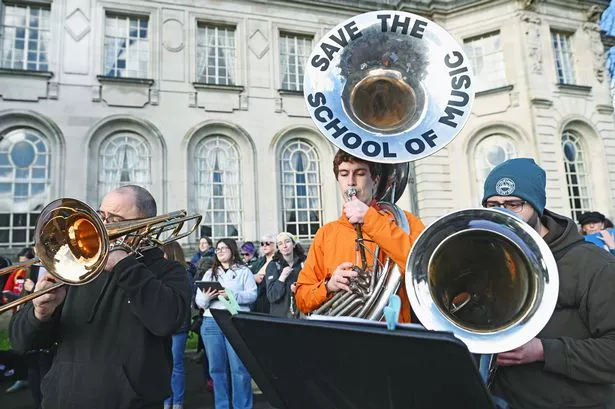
{"x": 456, "y": 63}
{"x": 450, "y": 116}
{"x": 351, "y": 140}
{"x": 384, "y": 27}
{"x": 323, "y": 109}
{"x": 386, "y": 152}
{"x": 353, "y": 30}
{"x": 405, "y": 24}
{"x": 371, "y": 148}
{"x": 329, "y": 50}
{"x": 418, "y": 29}
{"x": 317, "y": 99}
{"x": 335, "y": 124}
{"x": 415, "y": 146}
{"x": 429, "y": 137}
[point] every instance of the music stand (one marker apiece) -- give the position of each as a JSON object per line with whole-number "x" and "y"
{"x": 307, "y": 364}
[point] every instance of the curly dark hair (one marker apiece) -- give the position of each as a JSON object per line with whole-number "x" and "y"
{"x": 375, "y": 169}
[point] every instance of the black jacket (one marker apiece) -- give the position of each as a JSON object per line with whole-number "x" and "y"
{"x": 579, "y": 340}
{"x": 113, "y": 334}
{"x": 262, "y": 303}
{"x": 278, "y": 292}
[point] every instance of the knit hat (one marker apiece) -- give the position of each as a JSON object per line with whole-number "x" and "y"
{"x": 591, "y": 217}
{"x": 520, "y": 177}
{"x": 248, "y": 247}
{"x": 285, "y": 235}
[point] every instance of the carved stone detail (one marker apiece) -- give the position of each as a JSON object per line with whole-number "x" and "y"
{"x": 592, "y": 15}
{"x": 192, "y": 99}
{"x": 278, "y": 104}
{"x": 258, "y": 44}
{"x": 173, "y": 35}
{"x": 52, "y": 90}
{"x": 77, "y": 25}
{"x": 597, "y": 49}
{"x": 529, "y": 5}
{"x": 96, "y": 93}
{"x": 154, "y": 96}
{"x": 532, "y": 38}
{"x": 243, "y": 101}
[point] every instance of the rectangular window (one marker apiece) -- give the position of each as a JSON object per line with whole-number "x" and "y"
{"x": 215, "y": 54}
{"x": 294, "y": 51}
{"x": 25, "y": 37}
{"x": 126, "y": 52}
{"x": 487, "y": 59}
{"x": 564, "y": 66}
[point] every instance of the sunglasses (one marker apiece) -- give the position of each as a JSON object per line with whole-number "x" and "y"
{"x": 266, "y": 243}
{"x": 245, "y": 254}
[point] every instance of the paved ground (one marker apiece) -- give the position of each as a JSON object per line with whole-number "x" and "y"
{"x": 197, "y": 396}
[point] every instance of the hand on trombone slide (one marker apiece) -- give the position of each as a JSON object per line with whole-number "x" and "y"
{"x": 46, "y": 304}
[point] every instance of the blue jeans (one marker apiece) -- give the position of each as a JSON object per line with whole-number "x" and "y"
{"x": 178, "y": 377}
{"x": 221, "y": 357}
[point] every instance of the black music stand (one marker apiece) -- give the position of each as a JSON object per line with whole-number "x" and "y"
{"x": 307, "y": 364}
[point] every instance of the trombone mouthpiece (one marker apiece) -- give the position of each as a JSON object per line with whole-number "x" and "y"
{"x": 351, "y": 192}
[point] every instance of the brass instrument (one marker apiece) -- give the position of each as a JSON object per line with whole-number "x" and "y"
{"x": 388, "y": 87}
{"x": 73, "y": 243}
{"x": 485, "y": 275}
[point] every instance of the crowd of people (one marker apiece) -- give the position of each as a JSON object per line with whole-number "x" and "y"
{"x": 151, "y": 299}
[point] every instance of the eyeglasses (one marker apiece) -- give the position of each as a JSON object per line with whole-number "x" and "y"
{"x": 266, "y": 243}
{"x": 245, "y": 254}
{"x": 220, "y": 249}
{"x": 514, "y": 205}
{"x": 110, "y": 218}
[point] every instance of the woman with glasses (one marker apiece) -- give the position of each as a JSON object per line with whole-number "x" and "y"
{"x": 282, "y": 276}
{"x": 248, "y": 253}
{"x": 259, "y": 268}
{"x": 229, "y": 270}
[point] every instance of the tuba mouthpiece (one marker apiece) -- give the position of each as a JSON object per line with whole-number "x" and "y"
{"x": 351, "y": 192}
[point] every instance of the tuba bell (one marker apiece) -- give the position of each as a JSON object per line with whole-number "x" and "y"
{"x": 484, "y": 275}
{"x": 389, "y": 87}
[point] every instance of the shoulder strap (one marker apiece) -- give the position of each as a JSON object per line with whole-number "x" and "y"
{"x": 561, "y": 252}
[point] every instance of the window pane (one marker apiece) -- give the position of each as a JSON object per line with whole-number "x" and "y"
{"x": 563, "y": 57}
{"x": 300, "y": 190}
{"x": 24, "y": 184}
{"x": 294, "y": 50}
{"x": 215, "y": 54}
{"x": 126, "y": 46}
{"x": 125, "y": 159}
{"x": 490, "y": 152}
{"x": 216, "y": 187}
{"x": 579, "y": 196}
{"x": 487, "y": 59}
{"x": 26, "y": 37}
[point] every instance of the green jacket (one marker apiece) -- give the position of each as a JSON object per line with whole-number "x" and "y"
{"x": 579, "y": 340}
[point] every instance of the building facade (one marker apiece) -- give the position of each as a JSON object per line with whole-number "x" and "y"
{"x": 201, "y": 102}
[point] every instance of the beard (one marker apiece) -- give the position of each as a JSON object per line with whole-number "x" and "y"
{"x": 534, "y": 221}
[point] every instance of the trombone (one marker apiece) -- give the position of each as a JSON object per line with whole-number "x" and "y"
{"x": 73, "y": 243}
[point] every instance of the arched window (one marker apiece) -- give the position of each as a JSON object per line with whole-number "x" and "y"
{"x": 490, "y": 152}
{"x": 24, "y": 185}
{"x": 576, "y": 174}
{"x": 125, "y": 159}
{"x": 300, "y": 176}
{"x": 217, "y": 187}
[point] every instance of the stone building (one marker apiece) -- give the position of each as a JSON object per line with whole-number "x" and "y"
{"x": 200, "y": 101}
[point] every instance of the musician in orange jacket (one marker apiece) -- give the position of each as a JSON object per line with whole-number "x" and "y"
{"x": 328, "y": 267}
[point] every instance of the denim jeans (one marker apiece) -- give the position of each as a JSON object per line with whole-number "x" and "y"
{"x": 178, "y": 377}
{"x": 221, "y": 357}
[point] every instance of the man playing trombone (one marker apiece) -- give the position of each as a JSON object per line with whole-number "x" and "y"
{"x": 112, "y": 334}
{"x": 329, "y": 265}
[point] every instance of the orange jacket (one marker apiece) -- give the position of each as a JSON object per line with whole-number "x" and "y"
{"x": 335, "y": 243}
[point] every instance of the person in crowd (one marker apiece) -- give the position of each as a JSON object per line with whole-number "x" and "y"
{"x": 571, "y": 362}
{"x": 248, "y": 253}
{"x": 13, "y": 289}
{"x": 282, "y": 276}
{"x": 15, "y": 283}
{"x": 205, "y": 251}
{"x": 204, "y": 266}
{"x": 224, "y": 364}
{"x": 173, "y": 251}
{"x": 595, "y": 228}
{"x": 113, "y": 334}
{"x": 328, "y": 267}
{"x": 259, "y": 269}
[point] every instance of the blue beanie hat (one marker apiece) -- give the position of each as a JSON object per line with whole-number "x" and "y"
{"x": 248, "y": 247}
{"x": 520, "y": 177}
